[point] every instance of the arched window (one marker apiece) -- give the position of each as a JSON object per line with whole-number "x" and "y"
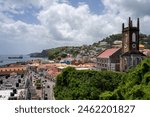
{"x": 125, "y": 63}
{"x": 133, "y": 37}
{"x": 126, "y": 37}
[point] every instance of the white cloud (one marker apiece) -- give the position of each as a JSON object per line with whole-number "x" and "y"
{"x": 24, "y": 36}
{"x": 16, "y": 6}
{"x": 130, "y": 8}
{"x": 63, "y": 24}
{"x": 76, "y": 24}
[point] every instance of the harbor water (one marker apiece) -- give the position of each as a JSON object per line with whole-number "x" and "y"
{"x": 5, "y": 59}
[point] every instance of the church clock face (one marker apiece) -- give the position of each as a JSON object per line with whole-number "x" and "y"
{"x": 133, "y": 45}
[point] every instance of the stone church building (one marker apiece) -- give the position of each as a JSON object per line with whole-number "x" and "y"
{"x": 131, "y": 56}
{"x": 126, "y": 57}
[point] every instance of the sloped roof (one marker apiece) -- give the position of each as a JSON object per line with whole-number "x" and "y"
{"x": 108, "y": 52}
{"x": 146, "y": 50}
{"x": 12, "y": 69}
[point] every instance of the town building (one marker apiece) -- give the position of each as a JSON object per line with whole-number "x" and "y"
{"x": 131, "y": 56}
{"x": 7, "y": 94}
{"x": 117, "y": 44}
{"x": 12, "y": 70}
{"x": 146, "y": 52}
{"x": 121, "y": 59}
{"x": 109, "y": 59}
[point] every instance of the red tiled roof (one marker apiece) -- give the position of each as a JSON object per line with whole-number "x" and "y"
{"x": 146, "y": 50}
{"x": 108, "y": 52}
{"x": 53, "y": 73}
{"x": 12, "y": 69}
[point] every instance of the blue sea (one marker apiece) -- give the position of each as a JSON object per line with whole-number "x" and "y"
{"x": 4, "y": 60}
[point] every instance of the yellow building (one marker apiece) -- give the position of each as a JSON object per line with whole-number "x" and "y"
{"x": 141, "y": 47}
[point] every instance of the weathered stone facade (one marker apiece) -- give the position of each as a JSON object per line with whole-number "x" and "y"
{"x": 126, "y": 57}
{"x": 131, "y": 55}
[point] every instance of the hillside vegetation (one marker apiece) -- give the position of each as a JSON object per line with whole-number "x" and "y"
{"x": 60, "y": 52}
{"x": 87, "y": 84}
{"x": 135, "y": 84}
{"x": 104, "y": 85}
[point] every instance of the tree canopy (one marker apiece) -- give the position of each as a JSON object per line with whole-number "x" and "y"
{"x": 85, "y": 84}
{"x": 105, "y": 85}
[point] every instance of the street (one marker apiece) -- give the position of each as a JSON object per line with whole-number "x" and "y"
{"x": 45, "y": 92}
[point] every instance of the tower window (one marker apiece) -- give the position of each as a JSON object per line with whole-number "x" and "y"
{"x": 133, "y": 37}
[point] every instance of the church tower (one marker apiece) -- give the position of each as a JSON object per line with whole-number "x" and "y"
{"x": 130, "y": 37}
{"x": 131, "y": 55}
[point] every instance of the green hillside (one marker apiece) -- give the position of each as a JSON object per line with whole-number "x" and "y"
{"x": 60, "y": 52}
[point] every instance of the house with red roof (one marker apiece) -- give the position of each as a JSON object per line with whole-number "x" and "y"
{"x": 146, "y": 52}
{"x": 12, "y": 70}
{"x": 109, "y": 59}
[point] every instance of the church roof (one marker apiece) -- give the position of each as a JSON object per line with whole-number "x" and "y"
{"x": 132, "y": 52}
{"x": 108, "y": 52}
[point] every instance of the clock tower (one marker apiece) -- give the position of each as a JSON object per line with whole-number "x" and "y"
{"x": 130, "y": 37}
{"x": 131, "y": 55}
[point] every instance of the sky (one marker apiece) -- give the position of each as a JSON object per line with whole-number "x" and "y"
{"x": 28, "y": 26}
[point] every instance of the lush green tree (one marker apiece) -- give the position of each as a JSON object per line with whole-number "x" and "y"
{"x": 85, "y": 84}
{"x": 136, "y": 83}
{"x": 105, "y": 85}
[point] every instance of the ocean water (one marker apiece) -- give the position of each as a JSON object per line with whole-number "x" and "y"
{"x": 4, "y": 60}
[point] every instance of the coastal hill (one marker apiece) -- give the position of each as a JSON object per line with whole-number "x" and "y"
{"x": 62, "y": 52}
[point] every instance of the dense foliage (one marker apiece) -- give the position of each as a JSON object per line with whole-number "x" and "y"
{"x": 87, "y": 84}
{"x": 105, "y": 85}
{"x": 59, "y": 52}
{"x": 135, "y": 84}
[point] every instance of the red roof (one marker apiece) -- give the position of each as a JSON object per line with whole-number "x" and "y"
{"x": 53, "y": 71}
{"x": 108, "y": 52}
{"x": 146, "y": 50}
